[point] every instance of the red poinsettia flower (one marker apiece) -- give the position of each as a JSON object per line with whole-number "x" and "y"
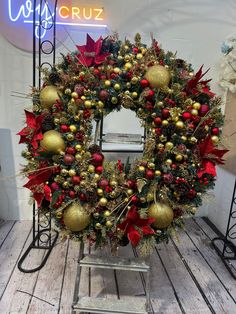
{"x": 210, "y": 156}
{"x": 192, "y": 84}
{"x": 135, "y": 227}
{"x": 90, "y": 53}
{"x": 32, "y": 133}
{"x": 37, "y": 185}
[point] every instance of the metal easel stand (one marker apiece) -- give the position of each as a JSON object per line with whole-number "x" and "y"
{"x": 228, "y": 253}
{"x": 43, "y": 236}
{"x": 131, "y": 305}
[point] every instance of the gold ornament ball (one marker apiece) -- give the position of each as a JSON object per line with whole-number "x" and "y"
{"x": 59, "y": 215}
{"x": 78, "y": 147}
{"x": 98, "y": 225}
{"x": 74, "y": 95}
{"x": 107, "y": 83}
{"x": 91, "y": 169}
{"x": 64, "y": 172}
{"x": 88, "y": 104}
{"x": 157, "y": 173}
{"x": 196, "y": 105}
{"x": 70, "y": 137}
{"x": 178, "y": 157}
{"x": 184, "y": 138}
{"x": 164, "y": 122}
{"x": 53, "y": 142}
{"x": 48, "y": 96}
{"x": 65, "y": 184}
{"x": 117, "y": 70}
{"x": 179, "y": 124}
{"x": 194, "y": 112}
{"x": 99, "y": 192}
{"x": 158, "y": 76}
{"x": 134, "y": 80}
{"x": 78, "y": 157}
{"x": 68, "y": 91}
{"x": 109, "y": 224}
{"x": 75, "y": 217}
{"x": 117, "y": 87}
{"x": 114, "y": 100}
{"x": 151, "y": 165}
{"x": 72, "y": 172}
{"x": 73, "y": 128}
{"x": 128, "y": 66}
{"x": 103, "y": 201}
{"x": 107, "y": 213}
{"x": 130, "y": 192}
{"x": 169, "y": 145}
{"x": 215, "y": 139}
{"x": 100, "y": 104}
{"x": 134, "y": 95}
{"x": 163, "y": 214}
{"x": 169, "y": 162}
{"x": 141, "y": 168}
{"x": 113, "y": 183}
{"x": 193, "y": 139}
{"x": 139, "y": 56}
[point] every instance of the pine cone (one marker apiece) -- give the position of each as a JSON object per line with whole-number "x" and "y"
{"x": 94, "y": 149}
{"x": 91, "y": 196}
{"x": 47, "y": 123}
{"x": 54, "y": 78}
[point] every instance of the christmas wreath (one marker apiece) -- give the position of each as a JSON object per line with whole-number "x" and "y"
{"x": 99, "y": 201}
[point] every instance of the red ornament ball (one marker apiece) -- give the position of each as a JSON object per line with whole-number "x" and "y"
{"x": 103, "y": 95}
{"x": 157, "y": 120}
{"x": 68, "y": 159}
{"x": 64, "y": 128}
{"x": 71, "y": 150}
{"x": 144, "y": 83}
{"x": 215, "y": 131}
{"x": 99, "y": 169}
{"x": 97, "y": 159}
{"x": 203, "y": 110}
{"x": 150, "y": 174}
{"x": 134, "y": 199}
{"x": 131, "y": 184}
{"x": 72, "y": 194}
{"x": 76, "y": 180}
{"x": 103, "y": 183}
{"x": 186, "y": 115}
{"x": 135, "y": 50}
{"x": 82, "y": 197}
{"x": 165, "y": 112}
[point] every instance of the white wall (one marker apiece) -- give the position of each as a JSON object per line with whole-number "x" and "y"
{"x": 194, "y": 28}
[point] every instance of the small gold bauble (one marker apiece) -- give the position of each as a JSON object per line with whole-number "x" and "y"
{"x": 142, "y": 199}
{"x": 150, "y": 197}
{"x": 65, "y": 184}
{"x": 196, "y": 106}
{"x": 83, "y": 183}
{"x": 91, "y": 169}
{"x": 130, "y": 192}
{"x": 96, "y": 215}
{"x": 117, "y": 87}
{"x": 109, "y": 224}
{"x": 78, "y": 147}
{"x": 163, "y": 214}
{"x": 48, "y": 96}
{"x": 76, "y": 118}
{"x": 134, "y": 95}
{"x": 88, "y": 104}
{"x": 164, "y": 122}
{"x": 83, "y": 174}
{"x": 107, "y": 83}
{"x": 78, "y": 157}
{"x": 53, "y": 142}
{"x": 160, "y": 145}
{"x": 169, "y": 145}
{"x": 98, "y": 225}
{"x": 103, "y": 201}
{"x": 64, "y": 172}
{"x": 113, "y": 183}
{"x": 158, "y": 76}
{"x": 74, "y": 95}
{"x": 117, "y": 70}
{"x": 193, "y": 139}
{"x": 56, "y": 121}
{"x": 184, "y": 138}
{"x": 68, "y": 91}
{"x": 96, "y": 176}
{"x": 99, "y": 192}
{"x": 107, "y": 213}
{"x": 151, "y": 165}
{"x": 134, "y": 80}
{"x": 128, "y": 66}
{"x": 178, "y": 157}
{"x": 194, "y": 112}
{"x": 59, "y": 215}
{"x": 72, "y": 172}
{"x": 158, "y": 173}
{"x": 73, "y": 128}
{"x": 70, "y": 137}
{"x": 169, "y": 162}
{"x": 100, "y": 104}
{"x": 141, "y": 168}
{"x": 215, "y": 139}
{"x": 114, "y": 100}
{"x": 75, "y": 217}
{"x": 139, "y": 56}
{"x": 179, "y": 124}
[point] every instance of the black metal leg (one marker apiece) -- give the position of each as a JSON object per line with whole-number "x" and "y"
{"x": 228, "y": 252}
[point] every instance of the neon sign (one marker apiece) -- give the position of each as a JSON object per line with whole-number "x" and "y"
{"x": 67, "y": 15}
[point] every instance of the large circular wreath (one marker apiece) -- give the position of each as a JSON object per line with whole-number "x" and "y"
{"x": 99, "y": 201}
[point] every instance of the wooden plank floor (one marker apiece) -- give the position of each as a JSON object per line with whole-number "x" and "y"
{"x": 187, "y": 275}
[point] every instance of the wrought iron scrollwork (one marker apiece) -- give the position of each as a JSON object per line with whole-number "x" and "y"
{"x": 224, "y": 245}
{"x": 43, "y": 236}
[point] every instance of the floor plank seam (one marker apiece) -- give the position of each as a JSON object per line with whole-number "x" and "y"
{"x": 193, "y": 278}
{"x": 15, "y": 263}
{"x": 171, "y": 283}
{"x": 63, "y": 277}
{"x": 211, "y": 268}
{"x": 7, "y": 234}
